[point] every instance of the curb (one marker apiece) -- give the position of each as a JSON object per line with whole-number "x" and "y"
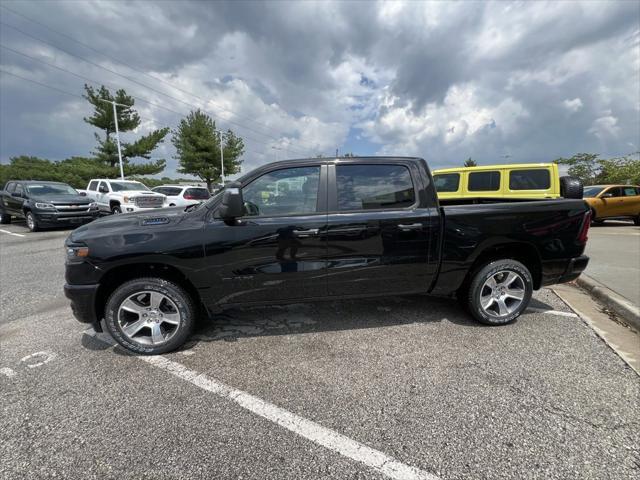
{"x": 627, "y": 311}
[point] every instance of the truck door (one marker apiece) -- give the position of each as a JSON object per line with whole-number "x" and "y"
{"x": 379, "y": 230}
{"x": 16, "y": 199}
{"x": 102, "y": 197}
{"x": 277, "y": 251}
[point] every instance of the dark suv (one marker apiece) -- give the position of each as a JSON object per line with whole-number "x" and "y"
{"x": 44, "y": 204}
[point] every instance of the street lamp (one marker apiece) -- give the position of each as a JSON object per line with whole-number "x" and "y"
{"x": 115, "y": 119}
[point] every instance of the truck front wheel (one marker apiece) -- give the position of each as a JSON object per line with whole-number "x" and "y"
{"x": 499, "y": 292}
{"x": 150, "y": 316}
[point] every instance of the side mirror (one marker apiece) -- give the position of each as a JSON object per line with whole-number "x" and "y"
{"x": 103, "y": 189}
{"x": 16, "y": 194}
{"x": 232, "y": 203}
{"x": 606, "y": 195}
{"x": 83, "y": 194}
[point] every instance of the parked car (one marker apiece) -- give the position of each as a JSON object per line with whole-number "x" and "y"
{"x": 122, "y": 196}
{"x": 610, "y": 202}
{"x": 351, "y": 227}
{"x": 182, "y": 195}
{"x": 520, "y": 181}
{"x": 45, "y": 204}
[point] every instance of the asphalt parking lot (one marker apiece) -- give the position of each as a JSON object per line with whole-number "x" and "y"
{"x": 403, "y": 387}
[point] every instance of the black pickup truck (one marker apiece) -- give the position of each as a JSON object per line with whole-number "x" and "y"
{"x": 317, "y": 229}
{"x": 45, "y": 204}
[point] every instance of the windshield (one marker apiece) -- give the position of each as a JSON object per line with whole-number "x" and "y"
{"x": 592, "y": 191}
{"x": 127, "y": 186}
{"x": 51, "y": 189}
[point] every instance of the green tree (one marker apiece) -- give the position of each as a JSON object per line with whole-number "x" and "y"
{"x": 128, "y": 119}
{"x": 585, "y": 166}
{"x": 197, "y": 145}
{"x": 469, "y": 162}
{"x": 620, "y": 170}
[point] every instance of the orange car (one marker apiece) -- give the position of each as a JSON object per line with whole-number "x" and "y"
{"x": 613, "y": 201}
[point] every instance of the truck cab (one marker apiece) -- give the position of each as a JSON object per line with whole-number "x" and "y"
{"x": 123, "y": 196}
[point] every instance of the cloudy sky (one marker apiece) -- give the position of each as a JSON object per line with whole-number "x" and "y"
{"x": 499, "y": 82}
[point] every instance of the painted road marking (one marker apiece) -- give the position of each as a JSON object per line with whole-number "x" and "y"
{"x": 308, "y": 429}
{"x": 11, "y": 233}
{"x": 46, "y": 357}
{"x": 6, "y": 371}
{"x": 552, "y": 312}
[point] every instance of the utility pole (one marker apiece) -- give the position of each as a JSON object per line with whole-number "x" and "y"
{"x": 115, "y": 119}
{"x": 221, "y": 161}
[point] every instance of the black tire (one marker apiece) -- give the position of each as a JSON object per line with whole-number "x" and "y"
{"x": 571, "y": 187}
{"x": 636, "y": 220}
{"x": 32, "y": 222}
{"x": 116, "y": 209}
{"x": 594, "y": 220}
{"x": 478, "y": 286}
{"x": 5, "y": 218}
{"x": 182, "y": 300}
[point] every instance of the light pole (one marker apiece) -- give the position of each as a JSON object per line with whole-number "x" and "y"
{"x": 115, "y": 119}
{"x": 221, "y": 161}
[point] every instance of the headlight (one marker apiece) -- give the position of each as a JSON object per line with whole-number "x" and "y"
{"x": 77, "y": 251}
{"x": 45, "y": 206}
{"x": 126, "y": 199}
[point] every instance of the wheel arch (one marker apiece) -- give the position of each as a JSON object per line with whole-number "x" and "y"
{"x": 115, "y": 277}
{"x": 524, "y": 253}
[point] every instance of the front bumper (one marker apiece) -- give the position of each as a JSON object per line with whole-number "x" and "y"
{"x": 132, "y": 207}
{"x": 83, "y": 302}
{"x": 45, "y": 217}
{"x": 574, "y": 269}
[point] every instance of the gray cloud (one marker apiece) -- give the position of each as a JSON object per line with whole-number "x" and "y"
{"x": 444, "y": 80}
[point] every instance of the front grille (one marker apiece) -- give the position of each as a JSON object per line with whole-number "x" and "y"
{"x": 149, "y": 201}
{"x": 72, "y": 208}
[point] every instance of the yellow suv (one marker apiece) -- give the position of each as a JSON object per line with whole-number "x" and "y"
{"x": 524, "y": 181}
{"x": 613, "y": 201}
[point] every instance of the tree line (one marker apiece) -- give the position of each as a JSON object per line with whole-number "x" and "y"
{"x": 197, "y": 141}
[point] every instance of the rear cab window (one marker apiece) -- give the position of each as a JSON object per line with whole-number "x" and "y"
{"x": 11, "y": 187}
{"x": 373, "y": 187}
{"x": 532, "y": 179}
{"x": 196, "y": 193}
{"x": 484, "y": 181}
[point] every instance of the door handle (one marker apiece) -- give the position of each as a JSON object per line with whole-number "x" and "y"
{"x": 405, "y": 227}
{"x": 306, "y": 233}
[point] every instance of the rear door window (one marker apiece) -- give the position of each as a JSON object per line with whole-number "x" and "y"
{"x": 629, "y": 191}
{"x": 535, "y": 179}
{"x": 484, "y": 181}
{"x": 367, "y": 187}
{"x": 171, "y": 191}
{"x": 93, "y": 185}
{"x": 11, "y": 187}
{"x": 19, "y": 189}
{"x": 447, "y": 182}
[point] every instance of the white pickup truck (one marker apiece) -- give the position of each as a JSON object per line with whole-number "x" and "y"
{"x": 122, "y": 196}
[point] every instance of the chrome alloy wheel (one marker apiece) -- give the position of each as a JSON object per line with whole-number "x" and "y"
{"x": 149, "y": 317}
{"x": 502, "y": 293}
{"x": 31, "y": 223}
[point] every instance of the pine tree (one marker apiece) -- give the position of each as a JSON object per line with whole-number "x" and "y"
{"x": 128, "y": 119}
{"x": 197, "y": 145}
{"x": 469, "y": 162}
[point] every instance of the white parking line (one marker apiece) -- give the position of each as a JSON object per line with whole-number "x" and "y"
{"x": 11, "y": 233}
{"x": 552, "y": 312}
{"x": 308, "y": 429}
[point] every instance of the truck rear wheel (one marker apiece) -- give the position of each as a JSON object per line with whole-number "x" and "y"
{"x": 499, "y": 292}
{"x": 150, "y": 316}
{"x": 5, "y": 218}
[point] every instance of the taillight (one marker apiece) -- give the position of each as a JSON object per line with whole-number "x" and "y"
{"x": 582, "y": 237}
{"x": 189, "y": 197}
